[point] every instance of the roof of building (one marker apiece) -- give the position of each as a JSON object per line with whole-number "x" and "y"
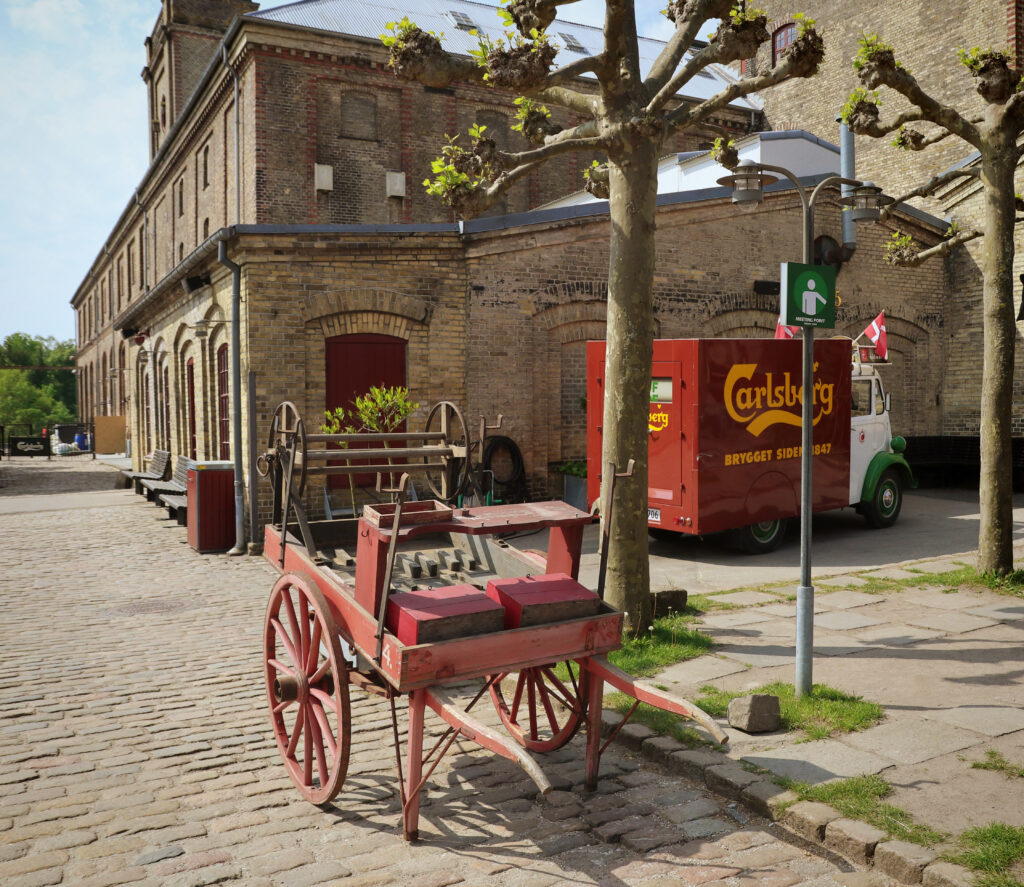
{"x": 452, "y": 20}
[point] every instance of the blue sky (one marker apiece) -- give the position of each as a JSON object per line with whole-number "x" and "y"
{"x": 74, "y": 143}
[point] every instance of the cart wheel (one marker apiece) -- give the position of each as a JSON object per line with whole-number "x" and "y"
{"x": 446, "y": 483}
{"x": 307, "y": 688}
{"x": 544, "y": 711}
{"x": 285, "y": 423}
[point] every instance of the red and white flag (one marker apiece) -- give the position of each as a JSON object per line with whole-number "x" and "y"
{"x": 875, "y": 331}
{"x": 784, "y": 332}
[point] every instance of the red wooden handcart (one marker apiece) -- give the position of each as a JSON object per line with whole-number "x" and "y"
{"x": 434, "y": 597}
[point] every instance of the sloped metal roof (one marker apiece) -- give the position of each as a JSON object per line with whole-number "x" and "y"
{"x": 369, "y": 18}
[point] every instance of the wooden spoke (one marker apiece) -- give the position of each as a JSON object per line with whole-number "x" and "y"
{"x": 324, "y": 699}
{"x": 325, "y": 728}
{"x": 314, "y": 648}
{"x": 294, "y": 741}
{"x": 280, "y": 666}
{"x": 563, "y": 709}
{"x": 317, "y": 742}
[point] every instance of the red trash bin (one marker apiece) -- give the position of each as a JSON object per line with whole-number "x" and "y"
{"x": 211, "y": 506}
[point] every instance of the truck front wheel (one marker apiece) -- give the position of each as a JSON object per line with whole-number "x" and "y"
{"x": 885, "y": 504}
{"x": 762, "y": 537}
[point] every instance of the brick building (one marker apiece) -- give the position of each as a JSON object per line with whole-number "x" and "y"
{"x": 925, "y": 38}
{"x": 345, "y": 266}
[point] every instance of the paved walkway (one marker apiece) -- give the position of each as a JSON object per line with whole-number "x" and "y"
{"x": 946, "y": 664}
{"x": 134, "y": 745}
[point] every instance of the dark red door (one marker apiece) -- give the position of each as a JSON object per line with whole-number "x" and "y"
{"x": 354, "y": 365}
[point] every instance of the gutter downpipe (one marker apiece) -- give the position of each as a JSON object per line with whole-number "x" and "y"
{"x": 236, "y": 391}
{"x": 236, "y": 343}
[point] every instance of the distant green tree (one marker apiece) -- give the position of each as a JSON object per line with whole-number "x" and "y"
{"x": 21, "y": 402}
{"x": 53, "y": 392}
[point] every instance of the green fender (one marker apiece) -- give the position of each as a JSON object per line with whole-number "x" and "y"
{"x": 878, "y": 465}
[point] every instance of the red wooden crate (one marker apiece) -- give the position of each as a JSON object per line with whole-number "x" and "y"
{"x": 537, "y": 600}
{"x": 438, "y": 614}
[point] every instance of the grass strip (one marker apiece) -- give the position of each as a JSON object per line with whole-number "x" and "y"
{"x": 821, "y": 713}
{"x": 863, "y": 798}
{"x": 993, "y": 851}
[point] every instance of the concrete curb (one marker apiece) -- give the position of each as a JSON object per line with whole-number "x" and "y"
{"x": 859, "y": 843}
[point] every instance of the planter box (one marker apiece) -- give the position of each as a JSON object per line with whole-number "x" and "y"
{"x": 576, "y": 492}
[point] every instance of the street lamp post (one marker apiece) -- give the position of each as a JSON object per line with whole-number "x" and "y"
{"x": 748, "y": 181}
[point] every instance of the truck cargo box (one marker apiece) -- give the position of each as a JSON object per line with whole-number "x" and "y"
{"x": 724, "y": 430}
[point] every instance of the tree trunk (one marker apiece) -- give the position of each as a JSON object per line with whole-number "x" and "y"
{"x": 995, "y": 537}
{"x": 630, "y": 334}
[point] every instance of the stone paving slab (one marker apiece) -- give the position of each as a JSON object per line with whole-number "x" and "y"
{"x": 988, "y": 719}
{"x": 841, "y": 581}
{"x": 952, "y": 622}
{"x": 946, "y": 565}
{"x": 910, "y": 741}
{"x": 788, "y": 611}
{"x": 699, "y": 671}
{"x": 894, "y": 634}
{"x": 847, "y": 600}
{"x": 745, "y": 598}
{"x": 1000, "y": 612}
{"x": 820, "y": 761}
{"x": 890, "y": 573}
{"x": 734, "y": 618}
{"x": 844, "y": 620}
{"x": 759, "y": 656}
{"x": 956, "y": 600}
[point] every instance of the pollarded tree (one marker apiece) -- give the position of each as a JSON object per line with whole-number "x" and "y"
{"x": 627, "y": 119}
{"x": 994, "y": 135}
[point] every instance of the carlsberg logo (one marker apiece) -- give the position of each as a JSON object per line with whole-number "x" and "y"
{"x": 760, "y": 401}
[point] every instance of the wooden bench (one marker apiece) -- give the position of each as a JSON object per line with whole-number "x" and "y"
{"x": 176, "y": 505}
{"x": 159, "y": 469}
{"x": 175, "y": 486}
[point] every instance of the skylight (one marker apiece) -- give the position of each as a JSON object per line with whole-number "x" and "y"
{"x": 572, "y": 44}
{"x": 462, "y": 21}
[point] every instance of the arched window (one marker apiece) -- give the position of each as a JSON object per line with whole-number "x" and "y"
{"x": 206, "y": 228}
{"x": 105, "y": 388}
{"x": 206, "y": 167}
{"x": 181, "y": 197}
{"x": 781, "y": 40}
{"x": 190, "y": 385}
{"x": 223, "y": 403}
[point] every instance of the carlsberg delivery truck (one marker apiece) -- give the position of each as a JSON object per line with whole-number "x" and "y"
{"x": 724, "y": 444}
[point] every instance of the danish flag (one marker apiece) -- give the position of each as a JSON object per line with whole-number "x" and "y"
{"x": 875, "y": 331}
{"x": 784, "y": 332}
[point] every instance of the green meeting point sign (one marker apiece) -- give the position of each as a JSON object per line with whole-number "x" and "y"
{"x": 808, "y": 295}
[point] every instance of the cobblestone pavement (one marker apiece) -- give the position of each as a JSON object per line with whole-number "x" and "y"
{"x": 26, "y": 477}
{"x": 135, "y": 748}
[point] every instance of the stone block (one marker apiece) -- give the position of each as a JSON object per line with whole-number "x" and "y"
{"x": 757, "y": 713}
{"x": 809, "y": 819}
{"x": 729, "y": 780}
{"x": 946, "y": 874}
{"x": 903, "y": 861}
{"x": 692, "y": 762}
{"x": 660, "y": 748}
{"x": 765, "y": 797}
{"x": 852, "y": 839}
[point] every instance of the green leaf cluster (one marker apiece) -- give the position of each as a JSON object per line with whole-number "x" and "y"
{"x": 524, "y": 107}
{"x": 975, "y": 58}
{"x": 594, "y": 164}
{"x": 397, "y": 33}
{"x": 804, "y": 23}
{"x": 869, "y": 46}
{"x": 860, "y": 94}
{"x": 720, "y": 144}
{"x": 447, "y": 176}
{"x": 740, "y": 14}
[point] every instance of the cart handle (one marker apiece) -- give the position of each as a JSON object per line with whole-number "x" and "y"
{"x": 644, "y": 692}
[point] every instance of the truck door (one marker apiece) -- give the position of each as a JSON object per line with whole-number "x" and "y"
{"x": 869, "y": 429}
{"x": 664, "y": 436}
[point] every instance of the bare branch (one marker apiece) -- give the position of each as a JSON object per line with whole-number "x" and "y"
{"x": 688, "y": 21}
{"x": 929, "y": 187}
{"x": 620, "y": 67}
{"x": 940, "y": 249}
{"x": 579, "y": 102}
{"x": 588, "y": 65}
{"x": 711, "y": 54}
{"x": 551, "y": 149}
{"x": 900, "y": 80}
{"x": 863, "y": 120}
{"x": 800, "y": 60}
